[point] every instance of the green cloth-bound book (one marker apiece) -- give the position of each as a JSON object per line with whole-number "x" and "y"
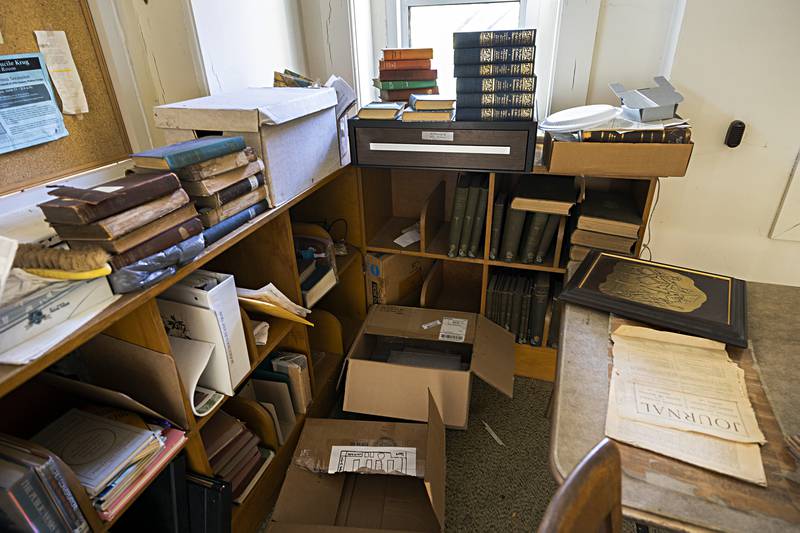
{"x": 516, "y": 305}
{"x": 498, "y": 215}
{"x": 457, "y": 218}
{"x": 547, "y": 237}
{"x": 530, "y": 242}
{"x": 541, "y": 294}
{"x": 403, "y": 84}
{"x": 480, "y": 218}
{"x": 469, "y": 214}
{"x": 512, "y": 233}
{"x": 179, "y": 155}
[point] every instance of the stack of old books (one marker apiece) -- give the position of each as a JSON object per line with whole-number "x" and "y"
{"x": 607, "y": 221}
{"x": 223, "y": 177}
{"x": 525, "y": 222}
{"x": 117, "y": 468}
{"x": 235, "y": 453}
{"x": 131, "y": 218}
{"x": 468, "y": 218}
{"x": 518, "y": 302}
{"x": 494, "y": 71}
{"x": 429, "y": 108}
{"x": 406, "y": 71}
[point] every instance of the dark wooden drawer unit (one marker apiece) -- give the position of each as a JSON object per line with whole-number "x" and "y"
{"x": 487, "y": 146}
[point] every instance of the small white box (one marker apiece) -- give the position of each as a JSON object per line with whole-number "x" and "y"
{"x": 294, "y": 131}
{"x": 218, "y": 306}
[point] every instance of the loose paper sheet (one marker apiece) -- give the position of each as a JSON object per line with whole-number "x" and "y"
{"x": 55, "y": 48}
{"x": 682, "y": 397}
{"x": 682, "y": 382}
{"x": 373, "y": 460}
{"x": 28, "y": 111}
{"x": 8, "y": 249}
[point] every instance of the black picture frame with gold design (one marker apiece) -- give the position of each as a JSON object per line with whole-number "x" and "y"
{"x": 673, "y": 297}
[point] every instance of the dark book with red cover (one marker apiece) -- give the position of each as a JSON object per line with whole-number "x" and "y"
{"x": 391, "y": 75}
{"x": 403, "y": 95}
{"x": 162, "y": 241}
{"x": 82, "y": 206}
{"x": 408, "y": 64}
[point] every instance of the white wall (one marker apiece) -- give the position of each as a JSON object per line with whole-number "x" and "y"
{"x": 328, "y": 41}
{"x": 244, "y": 41}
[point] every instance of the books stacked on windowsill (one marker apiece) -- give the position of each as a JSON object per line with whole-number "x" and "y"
{"x": 132, "y": 453}
{"x": 525, "y": 222}
{"x": 406, "y": 71}
{"x": 518, "y": 302}
{"x": 235, "y": 453}
{"x": 467, "y": 222}
{"x": 608, "y": 221}
{"x": 429, "y": 108}
{"x": 494, "y": 71}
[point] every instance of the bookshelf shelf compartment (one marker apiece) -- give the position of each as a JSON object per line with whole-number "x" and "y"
{"x": 547, "y": 266}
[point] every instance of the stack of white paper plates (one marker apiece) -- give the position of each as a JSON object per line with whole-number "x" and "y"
{"x": 579, "y": 118}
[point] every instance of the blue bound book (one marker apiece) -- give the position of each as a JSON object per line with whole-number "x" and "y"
{"x": 179, "y": 155}
{"x": 217, "y": 231}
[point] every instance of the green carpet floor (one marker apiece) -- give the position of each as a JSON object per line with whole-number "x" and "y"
{"x": 501, "y": 488}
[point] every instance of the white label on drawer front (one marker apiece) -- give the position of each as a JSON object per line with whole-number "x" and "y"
{"x": 441, "y": 149}
{"x": 437, "y": 135}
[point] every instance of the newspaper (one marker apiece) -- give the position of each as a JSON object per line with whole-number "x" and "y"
{"x": 682, "y": 397}
{"x": 682, "y": 382}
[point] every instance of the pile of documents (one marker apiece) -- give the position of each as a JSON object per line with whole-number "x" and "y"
{"x": 681, "y": 396}
{"x": 114, "y": 473}
{"x": 269, "y": 300}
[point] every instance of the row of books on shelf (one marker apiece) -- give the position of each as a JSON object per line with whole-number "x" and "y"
{"x": 495, "y": 75}
{"x": 519, "y": 302}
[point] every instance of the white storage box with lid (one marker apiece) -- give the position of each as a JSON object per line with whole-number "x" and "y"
{"x": 292, "y": 129}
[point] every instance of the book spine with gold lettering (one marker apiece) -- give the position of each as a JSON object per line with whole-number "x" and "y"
{"x": 488, "y": 114}
{"x": 494, "y": 55}
{"x": 497, "y": 100}
{"x": 665, "y": 136}
{"x": 496, "y": 85}
{"x": 472, "y": 39}
{"x": 493, "y": 70}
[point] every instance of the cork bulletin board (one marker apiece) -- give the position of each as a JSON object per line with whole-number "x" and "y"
{"x": 95, "y": 138}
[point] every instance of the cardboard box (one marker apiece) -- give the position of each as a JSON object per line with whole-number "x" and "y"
{"x": 616, "y": 159}
{"x": 375, "y": 385}
{"x": 395, "y": 279}
{"x": 293, "y": 130}
{"x": 360, "y": 496}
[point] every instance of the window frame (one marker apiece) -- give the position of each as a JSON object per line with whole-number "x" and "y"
{"x": 404, "y": 7}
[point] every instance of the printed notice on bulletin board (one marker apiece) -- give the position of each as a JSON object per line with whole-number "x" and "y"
{"x": 29, "y": 114}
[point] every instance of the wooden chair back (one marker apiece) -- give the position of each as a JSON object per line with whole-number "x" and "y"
{"x": 591, "y": 497}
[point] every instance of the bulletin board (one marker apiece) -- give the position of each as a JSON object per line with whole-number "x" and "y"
{"x": 95, "y": 138}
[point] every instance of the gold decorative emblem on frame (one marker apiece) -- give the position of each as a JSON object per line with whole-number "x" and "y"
{"x": 657, "y": 287}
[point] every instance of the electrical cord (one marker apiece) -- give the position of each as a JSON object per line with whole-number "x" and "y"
{"x": 646, "y": 244}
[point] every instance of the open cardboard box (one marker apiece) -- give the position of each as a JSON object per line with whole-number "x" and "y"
{"x": 358, "y": 498}
{"x": 386, "y": 381}
{"x": 616, "y": 159}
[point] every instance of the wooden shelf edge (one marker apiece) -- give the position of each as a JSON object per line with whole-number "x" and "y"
{"x": 537, "y": 362}
{"x": 544, "y": 267}
{"x": 12, "y": 376}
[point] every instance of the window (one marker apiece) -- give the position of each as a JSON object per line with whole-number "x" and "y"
{"x": 431, "y": 24}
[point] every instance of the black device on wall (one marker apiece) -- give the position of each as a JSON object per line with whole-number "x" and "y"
{"x": 735, "y": 133}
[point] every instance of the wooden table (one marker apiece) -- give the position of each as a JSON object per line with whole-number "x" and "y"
{"x": 667, "y": 493}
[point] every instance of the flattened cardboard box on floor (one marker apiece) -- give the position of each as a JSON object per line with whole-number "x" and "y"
{"x": 339, "y": 480}
{"x": 402, "y": 352}
{"x": 293, "y": 130}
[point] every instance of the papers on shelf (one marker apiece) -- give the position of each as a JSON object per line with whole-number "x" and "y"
{"x": 191, "y": 358}
{"x": 8, "y": 249}
{"x": 622, "y": 125}
{"x": 681, "y": 396}
{"x": 408, "y": 236}
{"x": 270, "y": 294}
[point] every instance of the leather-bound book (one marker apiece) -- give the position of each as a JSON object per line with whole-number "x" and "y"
{"x": 480, "y": 219}
{"x": 494, "y": 70}
{"x": 498, "y": 216}
{"x": 533, "y": 236}
{"x": 214, "y": 184}
{"x": 547, "y": 238}
{"x": 496, "y": 85}
{"x": 421, "y": 74}
{"x": 82, "y": 206}
{"x": 210, "y": 216}
{"x": 498, "y": 100}
{"x": 469, "y": 214}
{"x": 406, "y": 64}
{"x": 402, "y": 54}
{"x": 492, "y": 114}
{"x": 541, "y": 295}
{"x": 162, "y": 241}
{"x": 231, "y": 192}
{"x": 187, "y": 153}
{"x": 512, "y": 234}
{"x": 219, "y": 432}
{"x": 217, "y": 231}
{"x": 217, "y": 165}
{"x": 457, "y": 218}
{"x": 494, "y": 54}
{"x": 402, "y": 95}
{"x": 140, "y": 235}
{"x": 125, "y": 222}
{"x": 472, "y": 39}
